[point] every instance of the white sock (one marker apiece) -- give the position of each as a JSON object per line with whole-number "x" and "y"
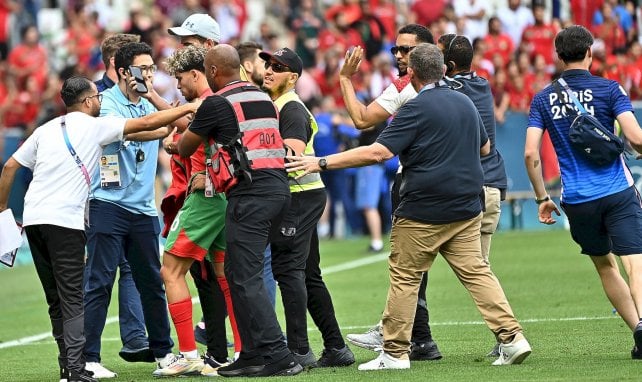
{"x": 376, "y": 244}
{"x": 192, "y": 354}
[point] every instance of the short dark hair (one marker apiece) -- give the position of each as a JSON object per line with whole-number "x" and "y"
{"x": 458, "y": 50}
{"x": 423, "y": 34}
{"x": 247, "y": 50}
{"x": 572, "y": 42}
{"x": 74, "y": 89}
{"x": 125, "y": 54}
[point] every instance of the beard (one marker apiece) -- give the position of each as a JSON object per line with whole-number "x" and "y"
{"x": 257, "y": 79}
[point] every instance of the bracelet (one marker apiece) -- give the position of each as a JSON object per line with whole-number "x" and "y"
{"x": 544, "y": 199}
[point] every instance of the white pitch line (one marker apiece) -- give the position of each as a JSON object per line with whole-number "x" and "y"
{"x": 326, "y": 271}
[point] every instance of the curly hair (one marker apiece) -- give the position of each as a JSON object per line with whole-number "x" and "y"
{"x": 186, "y": 59}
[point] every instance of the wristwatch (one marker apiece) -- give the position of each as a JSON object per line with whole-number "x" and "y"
{"x": 323, "y": 164}
{"x": 544, "y": 199}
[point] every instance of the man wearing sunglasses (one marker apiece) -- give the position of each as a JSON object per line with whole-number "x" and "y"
{"x": 295, "y": 243}
{"x": 378, "y": 111}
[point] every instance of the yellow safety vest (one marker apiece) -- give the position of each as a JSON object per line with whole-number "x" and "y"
{"x": 310, "y": 181}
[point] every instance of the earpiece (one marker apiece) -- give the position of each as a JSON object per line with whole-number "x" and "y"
{"x": 450, "y": 65}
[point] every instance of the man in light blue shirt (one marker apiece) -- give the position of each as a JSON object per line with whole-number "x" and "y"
{"x": 124, "y": 222}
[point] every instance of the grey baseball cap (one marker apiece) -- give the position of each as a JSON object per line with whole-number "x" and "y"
{"x": 198, "y": 24}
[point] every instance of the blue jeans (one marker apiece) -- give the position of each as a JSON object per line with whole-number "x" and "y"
{"x": 268, "y": 277}
{"x": 115, "y": 235}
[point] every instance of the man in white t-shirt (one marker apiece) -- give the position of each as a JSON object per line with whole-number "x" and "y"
{"x": 62, "y": 153}
{"x": 379, "y": 110}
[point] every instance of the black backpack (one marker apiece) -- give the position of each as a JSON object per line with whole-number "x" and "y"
{"x": 587, "y": 135}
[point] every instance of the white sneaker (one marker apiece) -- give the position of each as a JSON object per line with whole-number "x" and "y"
{"x": 180, "y": 366}
{"x": 371, "y": 340}
{"x": 99, "y": 370}
{"x": 163, "y": 363}
{"x": 513, "y": 353}
{"x": 385, "y": 362}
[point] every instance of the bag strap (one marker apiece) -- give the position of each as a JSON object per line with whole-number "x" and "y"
{"x": 572, "y": 96}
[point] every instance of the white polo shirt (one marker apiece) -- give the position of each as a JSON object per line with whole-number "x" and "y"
{"x": 58, "y": 192}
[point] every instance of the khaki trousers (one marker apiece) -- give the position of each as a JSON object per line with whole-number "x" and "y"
{"x": 414, "y": 246}
{"x": 490, "y": 219}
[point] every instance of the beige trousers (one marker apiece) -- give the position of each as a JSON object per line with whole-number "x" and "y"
{"x": 490, "y": 219}
{"x": 414, "y": 246}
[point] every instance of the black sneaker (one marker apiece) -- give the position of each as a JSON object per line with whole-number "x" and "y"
{"x": 307, "y": 360}
{"x": 636, "y": 353}
{"x": 200, "y": 335}
{"x": 288, "y": 366}
{"x": 336, "y": 357}
{"x": 425, "y": 351}
{"x": 241, "y": 368}
{"x": 81, "y": 376}
{"x": 64, "y": 374}
{"x": 137, "y": 353}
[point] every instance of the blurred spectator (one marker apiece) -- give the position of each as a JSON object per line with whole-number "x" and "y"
{"x": 501, "y": 96}
{"x": 386, "y": 11}
{"x": 29, "y": 59}
{"x": 306, "y": 23}
{"x": 515, "y": 18}
{"x": 383, "y": 73}
{"x": 622, "y": 12}
{"x": 425, "y": 12}
{"x": 370, "y": 29}
{"x": 482, "y": 66}
{"x": 610, "y": 30}
{"x": 7, "y": 7}
{"x": 498, "y": 43}
{"x": 539, "y": 37}
{"x": 188, "y": 7}
{"x": 231, "y": 15}
{"x": 473, "y": 14}
{"x": 582, "y": 11}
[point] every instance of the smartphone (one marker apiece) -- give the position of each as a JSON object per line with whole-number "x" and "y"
{"x": 135, "y": 71}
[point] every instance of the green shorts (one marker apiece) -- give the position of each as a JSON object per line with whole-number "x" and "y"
{"x": 199, "y": 228}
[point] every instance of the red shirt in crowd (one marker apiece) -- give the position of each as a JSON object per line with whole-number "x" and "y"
{"x": 541, "y": 40}
{"x": 500, "y": 44}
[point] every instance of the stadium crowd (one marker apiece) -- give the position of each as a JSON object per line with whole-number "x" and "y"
{"x": 315, "y": 88}
{"x": 43, "y": 43}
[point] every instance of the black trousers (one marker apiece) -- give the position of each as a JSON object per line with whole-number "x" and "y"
{"x": 213, "y": 307}
{"x": 290, "y": 245}
{"x": 319, "y": 301}
{"x": 421, "y": 327}
{"x": 248, "y": 221}
{"x": 59, "y": 257}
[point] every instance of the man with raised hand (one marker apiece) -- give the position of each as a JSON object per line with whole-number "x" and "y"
{"x": 433, "y": 217}
{"x": 378, "y": 111}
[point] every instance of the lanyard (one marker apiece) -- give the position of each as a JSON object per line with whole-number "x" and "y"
{"x": 73, "y": 153}
{"x": 81, "y": 165}
{"x": 468, "y": 76}
{"x": 433, "y": 85}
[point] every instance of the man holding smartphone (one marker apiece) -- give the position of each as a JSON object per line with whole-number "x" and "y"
{"x": 123, "y": 220}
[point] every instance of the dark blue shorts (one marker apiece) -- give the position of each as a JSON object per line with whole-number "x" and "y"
{"x": 609, "y": 224}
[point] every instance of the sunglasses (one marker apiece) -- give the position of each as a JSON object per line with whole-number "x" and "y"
{"x": 403, "y": 49}
{"x": 276, "y": 67}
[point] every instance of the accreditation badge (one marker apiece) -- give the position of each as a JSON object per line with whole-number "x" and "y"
{"x": 109, "y": 171}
